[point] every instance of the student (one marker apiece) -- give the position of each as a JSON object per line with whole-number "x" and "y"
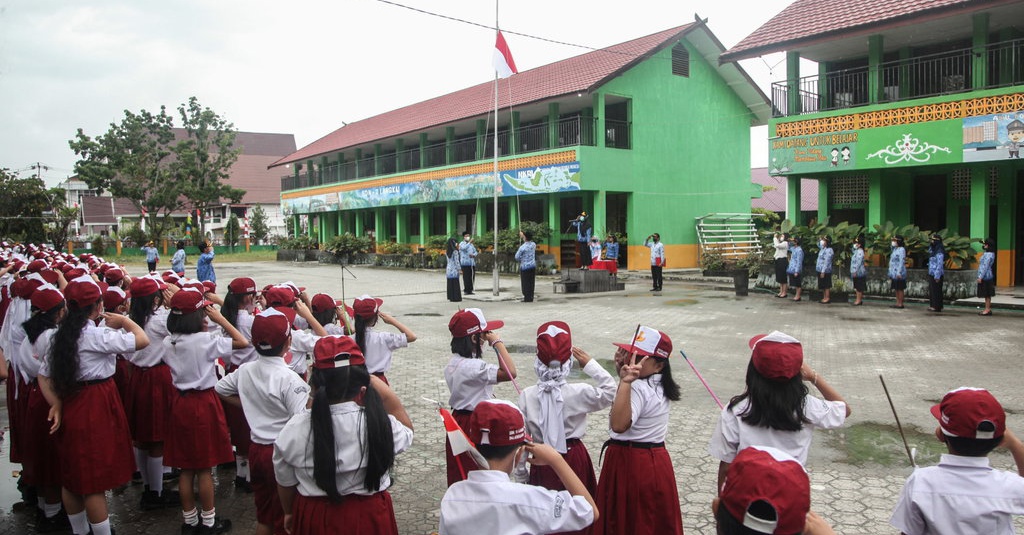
{"x": 470, "y": 379}
{"x": 781, "y": 258}
{"x": 286, "y": 297}
{"x": 526, "y": 255}
{"x": 237, "y": 308}
{"x": 150, "y": 391}
{"x": 467, "y": 259}
{"x": 824, "y": 268}
{"x": 595, "y": 250}
{"x": 775, "y": 409}
{"x": 329, "y": 311}
{"x": 964, "y": 494}
{"x": 796, "y": 268}
{"x": 333, "y": 462}
{"x": 204, "y": 267}
{"x": 858, "y": 273}
{"x": 637, "y": 491}
{"x": 986, "y": 279}
{"x": 152, "y": 255}
{"x": 488, "y": 497}
{"x": 197, "y": 437}
{"x": 766, "y": 491}
{"x": 653, "y": 242}
{"x": 898, "y": 270}
{"x": 178, "y": 260}
{"x": 452, "y": 270}
{"x": 377, "y": 346}
{"x": 611, "y": 249}
{"x": 270, "y": 395}
{"x": 556, "y": 411}
{"x": 94, "y": 440}
{"x": 936, "y": 272}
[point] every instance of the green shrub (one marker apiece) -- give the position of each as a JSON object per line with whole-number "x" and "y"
{"x": 99, "y": 246}
{"x": 509, "y": 241}
{"x": 301, "y": 241}
{"x": 348, "y": 244}
{"x": 390, "y": 247}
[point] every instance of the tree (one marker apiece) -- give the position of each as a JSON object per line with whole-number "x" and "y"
{"x": 58, "y": 228}
{"x": 259, "y": 229}
{"x": 205, "y": 156}
{"x": 22, "y": 203}
{"x": 232, "y": 231}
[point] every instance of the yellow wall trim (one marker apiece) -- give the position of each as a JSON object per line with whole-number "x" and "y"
{"x": 676, "y": 256}
{"x": 1006, "y": 267}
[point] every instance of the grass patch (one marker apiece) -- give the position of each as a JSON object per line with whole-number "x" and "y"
{"x": 880, "y": 444}
{"x": 221, "y": 257}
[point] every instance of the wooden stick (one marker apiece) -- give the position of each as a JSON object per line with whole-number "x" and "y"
{"x": 898, "y": 425}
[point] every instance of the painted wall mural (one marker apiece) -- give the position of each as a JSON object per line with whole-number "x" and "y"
{"x": 528, "y": 181}
{"x": 814, "y": 153}
{"x": 993, "y": 137}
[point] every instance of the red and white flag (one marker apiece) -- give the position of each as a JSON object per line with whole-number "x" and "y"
{"x": 460, "y": 442}
{"x": 504, "y": 65}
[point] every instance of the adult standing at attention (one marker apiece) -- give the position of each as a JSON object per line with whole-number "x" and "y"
{"x": 796, "y": 268}
{"x": 824, "y": 268}
{"x": 527, "y": 258}
{"x": 986, "y": 278}
{"x": 781, "y": 256}
{"x": 653, "y": 242}
{"x": 584, "y": 230}
{"x": 611, "y": 249}
{"x": 204, "y": 267}
{"x": 898, "y": 269}
{"x": 467, "y": 258}
{"x": 858, "y": 273}
{"x": 936, "y": 272}
{"x": 152, "y": 255}
{"x": 178, "y": 260}
{"x": 451, "y": 271}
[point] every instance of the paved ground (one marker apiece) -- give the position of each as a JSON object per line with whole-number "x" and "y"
{"x": 856, "y": 472}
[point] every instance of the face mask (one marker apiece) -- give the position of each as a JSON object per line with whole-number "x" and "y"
{"x": 821, "y": 243}
{"x": 466, "y": 238}
{"x": 893, "y": 244}
{"x": 856, "y": 246}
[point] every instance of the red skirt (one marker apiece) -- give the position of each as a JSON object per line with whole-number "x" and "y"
{"x": 148, "y": 403}
{"x": 264, "y": 487}
{"x": 16, "y": 409}
{"x": 42, "y": 460}
{"x": 637, "y": 493}
{"x": 578, "y": 458}
{"x": 94, "y": 441}
{"x": 366, "y": 515}
{"x": 238, "y": 428}
{"x": 454, "y": 473}
{"x": 122, "y": 375}
{"x": 197, "y": 435}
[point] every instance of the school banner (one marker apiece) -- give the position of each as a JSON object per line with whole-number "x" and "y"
{"x": 545, "y": 179}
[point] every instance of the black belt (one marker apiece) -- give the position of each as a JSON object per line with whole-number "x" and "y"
{"x": 628, "y": 444}
{"x": 94, "y": 381}
{"x": 192, "y": 391}
{"x": 461, "y": 412}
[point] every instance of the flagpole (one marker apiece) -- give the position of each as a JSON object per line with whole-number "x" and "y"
{"x": 497, "y": 180}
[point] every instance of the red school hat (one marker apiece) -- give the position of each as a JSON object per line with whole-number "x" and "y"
{"x": 336, "y": 352}
{"x": 367, "y": 307}
{"x": 187, "y": 301}
{"x": 470, "y": 321}
{"x": 113, "y": 275}
{"x": 270, "y": 329}
{"x": 964, "y": 409}
{"x": 279, "y": 296}
{"x": 496, "y": 422}
{"x": 322, "y": 302}
{"x": 46, "y": 298}
{"x": 143, "y": 286}
{"x": 650, "y": 343}
{"x": 760, "y": 479}
{"x": 554, "y": 342}
{"x": 777, "y": 356}
{"x": 114, "y": 297}
{"x": 242, "y": 285}
{"x": 82, "y": 293}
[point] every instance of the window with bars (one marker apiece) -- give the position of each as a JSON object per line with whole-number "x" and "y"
{"x": 848, "y": 190}
{"x": 680, "y": 61}
{"x": 993, "y": 182}
{"x": 961, "y": 189}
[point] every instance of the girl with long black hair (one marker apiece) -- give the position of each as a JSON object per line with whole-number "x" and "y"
{"x": 333, "y": 462}
{"x": 377, "y": 346}
{"x": 637, "y": 491}
{"x": 76, "y": 379}
{"x": 775, "y": 409}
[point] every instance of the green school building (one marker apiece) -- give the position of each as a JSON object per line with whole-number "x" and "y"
{"x": 645, "y": 136}
{"x": 915, "y": 114}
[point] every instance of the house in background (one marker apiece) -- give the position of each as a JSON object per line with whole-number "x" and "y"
{"x": 774, "y": 197}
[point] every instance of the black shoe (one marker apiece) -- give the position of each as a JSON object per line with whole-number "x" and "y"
{"x": 467, "y": 293}
{"x": 220, "y": 525}
{"x": 172, "y": 475}
{"x": 189, "y": 530}
{"x": 653, "y": 290}
{"x": 151, "y": 500}
{"x": 242, "y": 485}
{"x": 136, "y": 477}
{"x": 59, "y": 522}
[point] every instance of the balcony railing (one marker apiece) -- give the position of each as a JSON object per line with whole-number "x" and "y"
{"x": 571, "y": 131}
{"x": 924, "y": 76}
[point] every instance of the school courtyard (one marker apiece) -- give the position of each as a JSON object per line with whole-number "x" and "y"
{"x": 856, "y": 472}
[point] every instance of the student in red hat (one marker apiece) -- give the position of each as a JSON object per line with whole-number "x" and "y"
{"x": 150, "y": 390}
{"x": 963, "y": 493}
{"x": 488, "y": 497}
{"x": 76, "y": 379}
{"x": 470, "y": 379}
{"x": 556, "y": 410}
{"x": 333, "y": 462}
{"x": 198, "y": 435}
{"x": 116, "y": 301}
{"x": 377, "y": 346}
{"x": 270, "y": 395}
{"x": 288, "y": 296}
{"x": 238, "y": 307}
{"x": 637, "y": 490}
{"x": 42, "y": 459}
{"x": 766, "y": 491}
{"x": 329, "y": 311}
{"x": 775, "y": 409}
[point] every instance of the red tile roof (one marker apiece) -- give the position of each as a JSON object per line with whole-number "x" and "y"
{"x": 577, "y": 74}
{"x": 806, "y": 20}
{"x": 775, "y": 198}
{"x": 250, "y": 171}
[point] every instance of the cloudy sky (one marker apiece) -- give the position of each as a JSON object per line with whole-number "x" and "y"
{"x": 300, "y": 67}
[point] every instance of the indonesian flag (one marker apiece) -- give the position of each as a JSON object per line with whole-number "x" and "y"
{"x": 504, "y": 65}
{"x": 460, "y": 442}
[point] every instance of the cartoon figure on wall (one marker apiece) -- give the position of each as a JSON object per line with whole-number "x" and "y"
{"x": 835, "y": 157}
{"x": 846, "y": 155}
{"x": 1015, "y": 138}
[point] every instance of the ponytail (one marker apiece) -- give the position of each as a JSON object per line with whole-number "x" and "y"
{"x": 64, "y": 351}
{"x": 322, "y": 428}
{"x": 142, "y": 308}
{"x": 40, "y": 321}
{"x": 380, "y": 442}
{"x": 669, "y": 386}
{"x": 361, "y": 325}
{"x": 230, "y": 307}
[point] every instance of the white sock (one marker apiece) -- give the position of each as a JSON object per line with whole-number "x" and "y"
{"x": 103, "y": 528}
{"x": 140, "y": 465}
{"x": 79, "y": 523}
{"x": 242, "y": 466}
{"x": 209, "y": 517}
{"x": 51, "y": 509}
{"x": 155, "y": 469}
{"x": 191, "y": 517}
{"x": 41, "y": 501}
{"x": 167, "y": 470}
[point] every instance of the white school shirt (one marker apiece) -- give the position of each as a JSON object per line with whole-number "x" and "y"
{"x": 379, "y": 346}
{"x": 31, "y": 355}
{"x": 271, "y": 394}
{"x": 293, "y": 451}
{"x": 470, "y": 381}
{"x": 156, "y": 330}
{"x": 302, "y": 346}
{"x": 578, "y": 400}
{"x": 732, "y": 434}
{"x": 781, "y": 248}
{"x": 247, "y": 354}
{"x": 98, "y": 348}
{"x": 657, "y": 252}
{"x": 649, "y": 412}
{"x": 489, "y": 498}
{"x": 193, "y": 358}
{"x": 960, "y": 496}
{"x": 333, "y": 329}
